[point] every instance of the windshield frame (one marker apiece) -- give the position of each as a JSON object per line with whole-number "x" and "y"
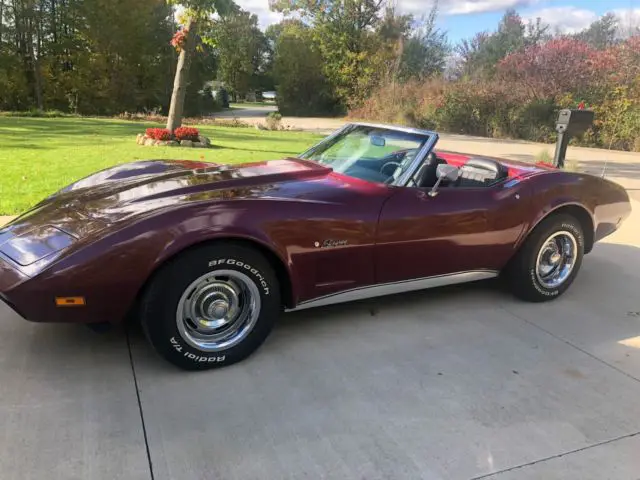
{"x": 431, "y": 139}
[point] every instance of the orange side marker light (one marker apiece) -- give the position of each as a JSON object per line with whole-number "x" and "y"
{"x": 70, "y": 302}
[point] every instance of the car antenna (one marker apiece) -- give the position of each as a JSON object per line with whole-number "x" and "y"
{"x": 606, "y": 162}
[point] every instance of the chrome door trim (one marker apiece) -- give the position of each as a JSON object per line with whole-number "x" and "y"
{"x": 371, "y": 291}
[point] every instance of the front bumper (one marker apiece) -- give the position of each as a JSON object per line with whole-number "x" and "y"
{"x": 8, "y": 303}
{"x": 10, "y": 278}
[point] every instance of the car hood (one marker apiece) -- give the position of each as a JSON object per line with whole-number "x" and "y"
{"x": 142, "y": 188}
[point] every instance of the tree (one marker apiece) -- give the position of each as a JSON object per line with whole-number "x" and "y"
{"x": 344, "y": 31}
{"x": 301, "y": 86}
{"x": 87, "y": 56}
{"x": 242, "y": 51}
{"x": 425, "y": 50}
{"x": 602, "y": 33}
{"x": 185, "y": 41}
{"x": 558, "y": 67}
{"x": 485, "y": 50}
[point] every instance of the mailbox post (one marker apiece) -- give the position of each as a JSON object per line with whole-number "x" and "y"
{"x": 570, "y": 123}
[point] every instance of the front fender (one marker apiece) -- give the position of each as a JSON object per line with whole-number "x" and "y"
{"x": 110, "y": 271}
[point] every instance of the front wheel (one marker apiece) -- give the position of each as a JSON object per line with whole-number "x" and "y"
{"x": 549, "y": 261}
{"x": 211, "y": 307}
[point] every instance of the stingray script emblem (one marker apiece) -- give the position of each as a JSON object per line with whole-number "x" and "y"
{"x": 334, "y": 243}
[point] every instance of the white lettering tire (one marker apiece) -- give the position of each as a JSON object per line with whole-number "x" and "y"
{"x": 211, "y": 306}
{"x": 549, "y": 260}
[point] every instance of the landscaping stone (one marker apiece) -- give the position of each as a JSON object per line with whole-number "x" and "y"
{"x": 203, "y": 142}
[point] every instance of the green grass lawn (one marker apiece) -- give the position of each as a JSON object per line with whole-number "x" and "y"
{"x": 38, "y": 156}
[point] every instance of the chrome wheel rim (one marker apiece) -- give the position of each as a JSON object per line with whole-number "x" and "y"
{"x": 556, "y": 259}
{"x": 218, "y": 310}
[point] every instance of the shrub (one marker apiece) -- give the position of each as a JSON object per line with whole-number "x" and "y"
{"x": 274, "y": 120}
{"x": 544, "y": 157}
{"x": 35, "y": 113}
{"x": 232, "y": 123}
{"x": 187, "y": 133}
{"x": 159, "y": 134}
{"x": 201, "y": 103}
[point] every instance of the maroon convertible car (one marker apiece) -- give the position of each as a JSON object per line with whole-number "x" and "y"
{"x": 208, "y": 256}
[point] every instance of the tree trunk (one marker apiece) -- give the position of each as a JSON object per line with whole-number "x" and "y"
{"x": 182, "y": 78}
{"x": 1, "y": 20}
{"x": 33, "y": 64}
{"x": 54, "y": 22}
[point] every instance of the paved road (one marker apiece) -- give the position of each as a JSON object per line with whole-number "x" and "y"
{"x": 457, "y": 383}
{"x": 247, "y": 112}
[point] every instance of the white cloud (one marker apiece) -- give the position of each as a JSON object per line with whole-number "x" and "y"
{"x": 416, "y": 7}
{"x": 629, "y": 19}
{"x": 573, "y": 19}
{"x": 261, "y": 9}
{"x": 564, "y": 19}
{"x": 567, "y": 19}
{"x": 462, "y": 7}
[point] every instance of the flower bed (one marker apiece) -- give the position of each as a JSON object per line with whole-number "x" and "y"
{"x": 181, "y": 137}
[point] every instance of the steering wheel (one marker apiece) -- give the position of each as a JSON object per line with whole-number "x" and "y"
{"x": 384, "y": 167}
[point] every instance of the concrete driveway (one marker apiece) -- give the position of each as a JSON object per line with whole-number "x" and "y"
{"x": 456, "y": 383}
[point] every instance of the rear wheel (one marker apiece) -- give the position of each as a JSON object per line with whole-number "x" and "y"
{"x": 549, "y": 260}
{"x": 211, "y": 307}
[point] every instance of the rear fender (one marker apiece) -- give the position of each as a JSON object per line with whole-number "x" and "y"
{"x": 555, "y": 192}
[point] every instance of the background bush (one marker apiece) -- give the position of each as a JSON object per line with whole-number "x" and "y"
{"x": 523, "y": 96}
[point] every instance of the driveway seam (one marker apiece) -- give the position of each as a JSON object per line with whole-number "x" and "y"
{"x": 572, "y": 345}
{"x": 144, "y": 427}
{"x": 553, "y": 457}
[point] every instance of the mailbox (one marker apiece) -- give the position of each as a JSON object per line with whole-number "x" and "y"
{"x": 574, "y": 122}
{"x": 570, "y": 123}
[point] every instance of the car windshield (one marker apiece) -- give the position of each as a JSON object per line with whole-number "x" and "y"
{"x": 370, "y": 153}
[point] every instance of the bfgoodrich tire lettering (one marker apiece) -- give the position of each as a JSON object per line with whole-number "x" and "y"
{"x": 212, "y": 282}
{"x": 549, "y": 261}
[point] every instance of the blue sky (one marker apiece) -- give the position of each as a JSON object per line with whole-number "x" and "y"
{"x": 565, "y": 15}
{"x": 464, "y": 18}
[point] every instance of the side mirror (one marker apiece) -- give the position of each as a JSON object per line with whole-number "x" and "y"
{"x": 447, "y": 172}
{"x": 444, "y": 172}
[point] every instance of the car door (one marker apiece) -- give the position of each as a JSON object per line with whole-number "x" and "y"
{"x": 459, "y": 230}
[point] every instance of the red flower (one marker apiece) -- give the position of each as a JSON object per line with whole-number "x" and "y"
{"x": 159, "y": 134}
{"x": 179, "y": 39}
{"x": 581, "y": 105}
{"x": 187, "y": 133}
